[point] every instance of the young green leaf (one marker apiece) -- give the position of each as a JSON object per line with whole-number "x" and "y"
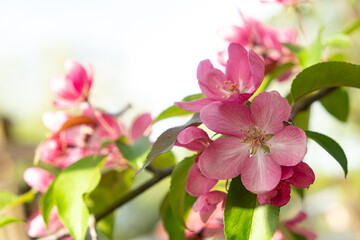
{"x": 47, "y": 202}
{"x": 174, "y": 229}
{"x": 7, "y": 220}
{"x": 332, "y": 147}
{"x": 337, "y": 103}
{"x": 70, "y": 188}
{"x": 340, "y": 39}
{"x": 325, "y": 75}
{"x": 178, "y": 188}
{"x": 244, "y": 218}
{"x": 163, "y": 161}
{"x": 174, "y": 111}
{"x": 6, "y": 198}
{"x": 165, "y": 142}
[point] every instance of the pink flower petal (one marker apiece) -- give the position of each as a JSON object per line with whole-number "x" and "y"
{"x": 140, "y": 126}
{"x": 237, "y": 67}
{"x": 64, "y": 88}
{"x": 224, "y": 158}
{"x": 50, "y": 150}
{"x": 195, "y": 105}
{"x": 207, "y": 202}
{"x": 76, "y": 74}
{"x": 269, "y": 110}
{"x": 38, "y": 178}
{"x": 210, "y": 79}
{"x": 36, "y": 226}
{"x": 53, "y": 120}
{"x": 257, "y": 69}
{"x": 303, "y": 176}
{"x": 260, "y": 173}
{"x": 193, "y": 138}
{"x": 230, "y": 118}
{"x": 288, "y": 147}
{"x": 234, "y": 34}
{"x": 278, "y": 197}
{"x": 197, "y": 183}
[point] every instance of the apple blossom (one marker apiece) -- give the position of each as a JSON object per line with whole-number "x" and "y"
{"x": 265, "y": 40}
{"x": 258, "y": 143}
{"x": 243, "y": 76}
{"x": 300, "y": 176}
{"x": 207, "y": 202}
{"x": 74, "y": 87}
{"x": 38, "y": 178}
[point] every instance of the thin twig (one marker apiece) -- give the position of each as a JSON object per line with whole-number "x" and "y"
{"x": 305, "y": 103}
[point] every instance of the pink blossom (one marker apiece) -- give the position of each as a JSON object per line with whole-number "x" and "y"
{"x": 196, "y": 139}
{"x": 212, "y": 229}
{"x": 207, "y": 202}
{"x": 38, "y": 178}
{"x": 300, "y": 176}
{"x": 264, "y": 40}
{"x": 244, "y": 74}
{"x": 292, "y": 226}
{"x": 74, "y": 87}
{"x": 258, "y": 143}
{"x": 36, "y": 226}
{"x": 140, "y": 127}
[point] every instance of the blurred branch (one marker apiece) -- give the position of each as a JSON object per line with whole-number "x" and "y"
{"x": 305, "y": 103}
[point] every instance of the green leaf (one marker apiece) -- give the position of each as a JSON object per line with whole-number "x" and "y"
{"x": 7, "y": 220}
{"x": 340, "y": 39}
{"x": 9, "y": 200}
{"x": 163, "y": 161}
{"x": 70, "y": 189}
{"x": 174, "y": 111}
{"x": 309, "y": 55}
{"x": 174, "y": 229}
{"x": 353, "y": 27}
{"x": 134, "y": 151}
{"x": 337, "y": 103}
{"x": 244, "y": 218}
{"x": 325, "y": 75}
{"x": 332, "y": 147}
{"x": 47, "y": 202}
{"x": 165, "y": 142}
{"x": 177, "y": 192}
{"x": 302, "y": 119}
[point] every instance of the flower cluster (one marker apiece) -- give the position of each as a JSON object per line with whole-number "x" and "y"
{"x": 75, "y": 136}
{"x": 265, "y": 40}
{"x": 256, "y": 141}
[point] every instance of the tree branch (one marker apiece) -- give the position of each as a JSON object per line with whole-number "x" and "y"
{"x": 305, "y": 103}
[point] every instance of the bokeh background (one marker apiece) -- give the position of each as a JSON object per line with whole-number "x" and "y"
{"x": 146, "y": 53}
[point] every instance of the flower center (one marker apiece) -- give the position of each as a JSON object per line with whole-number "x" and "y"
{"x": 256, "y": 138}
{"x": 228, "y": 89}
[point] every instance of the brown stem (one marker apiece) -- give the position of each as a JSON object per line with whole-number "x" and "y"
{"x": 305, "y": 103}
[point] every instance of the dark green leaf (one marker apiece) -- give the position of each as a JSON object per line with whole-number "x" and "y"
{"x": 244, "y": 218}
{"x": 7, "y": 220}
{"x": 70, "y": 188}
{"x": 177, "y": 188}
{"x": 337, "y": 103}
{"x": 165, "y": 142}
{"x": 332, "y": 147}
{"x": 325, "y": 75}
{"x": 174, "y": 111}
{"x": 302, "y": 119}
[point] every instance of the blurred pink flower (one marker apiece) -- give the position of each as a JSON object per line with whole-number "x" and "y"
{"x": 300, "y": 176}
{"x": 265, "y": 40}
{"x": 258, "y": 144}
{"x": 284, "y": 2}
{"x": 74, "y": 87}
{"x": 36, "y": 226}
{"x": 244, "y": 74}
{"x": 291, "y": 224}
{"x": 38, "y": 178}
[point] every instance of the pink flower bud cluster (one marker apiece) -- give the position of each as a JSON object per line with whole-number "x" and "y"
{"x": 255, "y": 144}
{"x": 264, "y": 40}
{"x": 72, "y": 137}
